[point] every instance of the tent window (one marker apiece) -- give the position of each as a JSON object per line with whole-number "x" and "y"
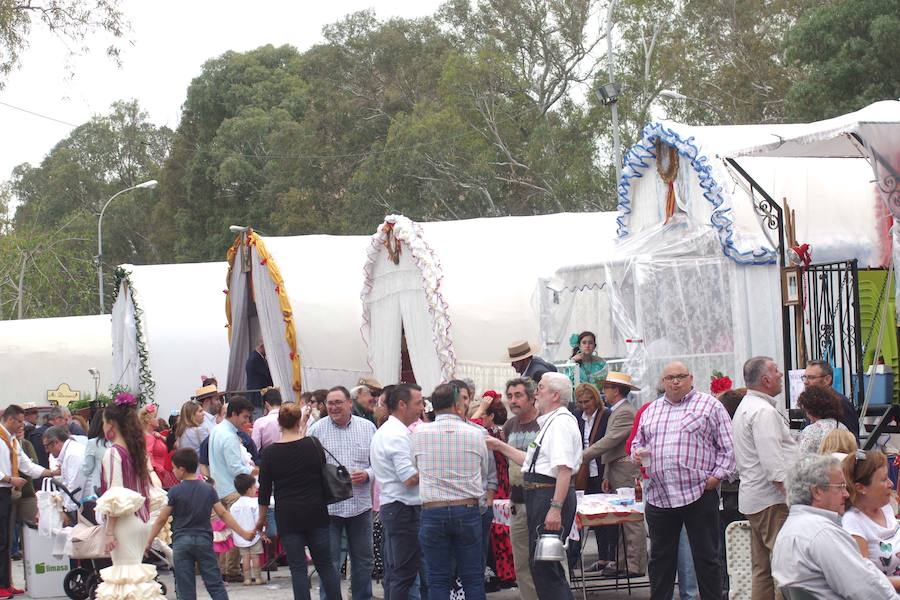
{"x": 406, "y": 370}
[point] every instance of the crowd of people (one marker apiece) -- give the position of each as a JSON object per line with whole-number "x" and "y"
{"x": 236, "y": 494}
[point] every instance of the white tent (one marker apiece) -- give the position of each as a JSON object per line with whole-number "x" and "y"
{"x": 462, "y": 291}
{"x": 697, "y": 276}
{"x": 40, "y": 354}
{"x": 300, "y": 295}
{"x": 168, "y": 330}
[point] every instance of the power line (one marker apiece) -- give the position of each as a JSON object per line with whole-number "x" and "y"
{"x": 37, "y": 114}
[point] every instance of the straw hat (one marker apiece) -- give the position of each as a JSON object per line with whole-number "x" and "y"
{"x": 622, "y": 379}
{"x": 519, "y": 350}
{"x": 371, "y": 383}
{"x": 205, "y": 392}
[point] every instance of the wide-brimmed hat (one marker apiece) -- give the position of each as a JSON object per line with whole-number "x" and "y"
{"x": 29, "y": 406}
{"x": 371, "y": 383}
{"x": 519, "y": 350}
{"x": 622, "y": 379}
{"x": 205, "y": 392}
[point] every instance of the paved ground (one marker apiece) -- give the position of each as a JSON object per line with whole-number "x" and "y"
{"x": 280, "y": 588}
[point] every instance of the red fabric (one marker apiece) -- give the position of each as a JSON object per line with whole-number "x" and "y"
{"x": 159, "y": 456}
{"x": 501, "y": 546}
{"x": 634, "y": 428}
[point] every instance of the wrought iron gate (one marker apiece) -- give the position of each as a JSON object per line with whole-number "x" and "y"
{"x": 831, "y": 323}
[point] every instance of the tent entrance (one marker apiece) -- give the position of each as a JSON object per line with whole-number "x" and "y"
{"x": 407, "y": 374}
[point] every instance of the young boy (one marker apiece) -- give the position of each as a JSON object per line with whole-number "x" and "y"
{"x": 190, "y": 503}
{"x": 246, "y": 512}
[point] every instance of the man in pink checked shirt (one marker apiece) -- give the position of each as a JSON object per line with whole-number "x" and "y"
{"x": 265, "y": 429}
{"x": 685, "y": 437}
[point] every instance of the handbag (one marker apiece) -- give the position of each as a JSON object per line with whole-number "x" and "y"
{"x": 336, "y": 484}
{"x": 50, "y": 506}
{"x": 88, "y": 541}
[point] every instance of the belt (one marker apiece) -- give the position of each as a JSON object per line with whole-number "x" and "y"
{"x": 463, "y": 502}
{"x": 528, "y": 485}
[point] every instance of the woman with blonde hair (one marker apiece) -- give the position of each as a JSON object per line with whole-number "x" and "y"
{"x": 189, "y": 430}
{"x": 839, "y": 441}
{"x": 871, "y": 520}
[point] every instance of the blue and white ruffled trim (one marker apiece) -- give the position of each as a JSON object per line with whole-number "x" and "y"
{"x": 637, "y": 161}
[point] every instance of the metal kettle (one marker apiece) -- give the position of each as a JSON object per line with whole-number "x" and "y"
{"x": 549, "y": 546}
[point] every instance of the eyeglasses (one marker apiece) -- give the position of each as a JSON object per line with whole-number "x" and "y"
{"x": 807, "y": 378}
{"x": 842, "y": 486}
{"x": 676, "y": 377}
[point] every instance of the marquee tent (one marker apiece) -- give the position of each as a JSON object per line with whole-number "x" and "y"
{"x": 168, "y": 329}
{"x": 460, "y": 292}
{"x": 300, "y": 295}
{"x": 40, "y": 354}
{"x": 696, "y": 272}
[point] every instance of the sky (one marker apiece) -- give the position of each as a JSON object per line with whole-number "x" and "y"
{"x": 168, "y": 43}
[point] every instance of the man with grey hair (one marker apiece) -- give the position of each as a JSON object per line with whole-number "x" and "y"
{"x": 60, "y": 415}
{"x": 764, "y": 450}
{"x": 69, "y": 455}
{"x": 364, "y": 396}
{"x": 813, "y": 552}
{"x": 548, "y": 466}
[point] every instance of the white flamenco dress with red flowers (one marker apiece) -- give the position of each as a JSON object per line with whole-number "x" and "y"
{"x": 128, "y": 578}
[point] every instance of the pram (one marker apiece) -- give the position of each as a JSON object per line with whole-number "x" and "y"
{"x": 81, "y": 582}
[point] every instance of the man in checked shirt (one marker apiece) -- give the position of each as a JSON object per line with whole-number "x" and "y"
{"x": 453, "y": 464}
{"x": 685, "y": 437}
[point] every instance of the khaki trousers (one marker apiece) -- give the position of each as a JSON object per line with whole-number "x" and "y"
{"x": 622, "y": 473}
{"x": 230, "y": 562}
{"x": 764, "y": 528}
{"x": 518, "y": 535}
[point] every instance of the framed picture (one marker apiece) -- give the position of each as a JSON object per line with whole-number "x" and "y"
{"x": 790, "y": 286}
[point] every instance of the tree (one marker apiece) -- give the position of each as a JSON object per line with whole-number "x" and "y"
{"x": 845, "y": 57}
{"x": 47, "y": 249}
{"x": 72, "y": 21}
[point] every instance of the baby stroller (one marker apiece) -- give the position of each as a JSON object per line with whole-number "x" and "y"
{"x": 81, "y": 582}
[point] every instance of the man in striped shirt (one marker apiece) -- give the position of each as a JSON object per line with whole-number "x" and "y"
{"x": 685, "y": 436}
{"x": 453, "y": 464}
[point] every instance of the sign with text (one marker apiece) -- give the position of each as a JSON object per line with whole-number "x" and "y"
{"x": 63, "y": 395}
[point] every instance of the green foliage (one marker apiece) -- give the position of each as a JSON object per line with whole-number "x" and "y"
{"x": 845, "y": 55}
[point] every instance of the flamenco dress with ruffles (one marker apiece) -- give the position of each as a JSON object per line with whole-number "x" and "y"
{"x": 127, "y": 499}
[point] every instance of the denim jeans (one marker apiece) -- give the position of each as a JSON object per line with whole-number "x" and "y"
{"x": 319, "y": 542}
{"x": 687, "y": 579}
{"x": 362, "y": 559}
{"x": 402, "y": 555}
{"x": 189, "y": 550}
{"x": 452, "y": 536}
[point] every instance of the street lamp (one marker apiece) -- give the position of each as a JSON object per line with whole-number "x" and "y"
{"x": 673, "y": 95}
{"x": 608, "y": 93}
{"x": 95, "y": 373}
{"x": 146, "y": 185}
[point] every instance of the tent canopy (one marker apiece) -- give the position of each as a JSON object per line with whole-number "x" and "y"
{"x": 463, "y": 290}
{"x": 305, "y": 292}
{"x": 182, "y": 326}
{"x": 40, "y": 354}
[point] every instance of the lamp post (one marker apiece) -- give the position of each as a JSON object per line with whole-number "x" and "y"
{"x": 146, "y": 185}
{"x": 672, "y": 94}
{"x": 608, "y": 94}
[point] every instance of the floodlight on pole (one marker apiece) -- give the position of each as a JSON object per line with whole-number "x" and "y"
{"x": 141, "y": 186}
{"x": 673, "y": 95}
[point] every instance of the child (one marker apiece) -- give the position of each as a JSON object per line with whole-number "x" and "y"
{"x": 246, "y": 513}
{"x": 190, "y": 504}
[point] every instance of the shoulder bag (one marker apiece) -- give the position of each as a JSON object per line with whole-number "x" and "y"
{"x": 336, "y": 484}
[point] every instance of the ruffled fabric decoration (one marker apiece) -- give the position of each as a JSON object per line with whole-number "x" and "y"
{"x": 129, "y": 582}
{"x": 395, "y": 230}
{"x": 119, "y": 502}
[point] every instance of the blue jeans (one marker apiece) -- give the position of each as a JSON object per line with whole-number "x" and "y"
{"x": 319, "y": 542}
{"x": 362, "y": 558}
{"x": 687, "y": 579}
{"x": 402, "y": 555}
{"x": 189, "y": 550}
{"x": 450, "y": 536}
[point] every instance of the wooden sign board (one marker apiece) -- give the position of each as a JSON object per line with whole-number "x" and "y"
{"x": 63, "y": 395}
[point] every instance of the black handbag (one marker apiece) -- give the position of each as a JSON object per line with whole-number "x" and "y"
{"x": 336, "y": 484}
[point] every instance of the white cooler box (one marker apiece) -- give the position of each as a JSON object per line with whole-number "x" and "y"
{"x": 44, "y": 574}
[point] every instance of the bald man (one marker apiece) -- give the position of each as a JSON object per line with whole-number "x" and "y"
{"x": 685, "y": 437}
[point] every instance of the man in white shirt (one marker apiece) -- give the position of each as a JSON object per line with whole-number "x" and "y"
{"x": 764, "y": 451}
{"x": 208, "y": 397}
{"x": 548, "y": 468}
{"x": 813, "y": 552}
{"x": 395, "y": 472}
{"x": 69, "y": 454}
{"x": 12, "y": 461}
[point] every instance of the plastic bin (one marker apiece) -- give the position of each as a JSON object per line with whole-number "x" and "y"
{"x": 883, "y": 390}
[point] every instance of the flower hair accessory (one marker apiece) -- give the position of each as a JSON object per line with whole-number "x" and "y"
{"x": 573, "y": 340}
{"x": 125, "y": 399}
{"x": 150, "y": 408}
{"x": 719, "y": 383}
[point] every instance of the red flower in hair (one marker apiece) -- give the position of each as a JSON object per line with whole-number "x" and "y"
{"x": 719, "y": 383}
